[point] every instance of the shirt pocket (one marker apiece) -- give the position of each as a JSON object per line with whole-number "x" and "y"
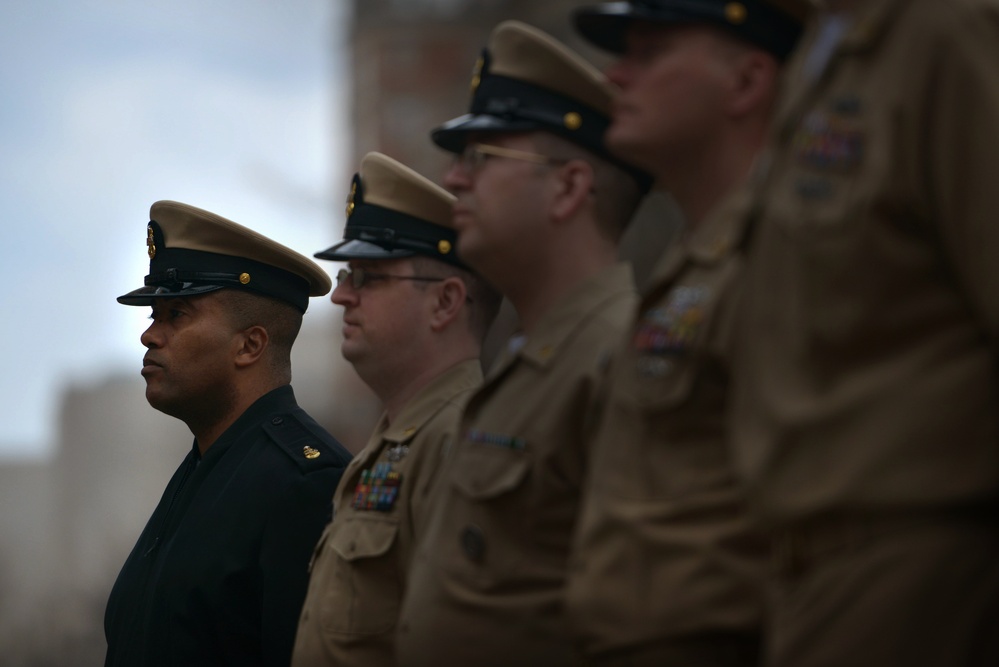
{"x": 837, "y": 217}
{"x": 667, "y": 417}
{"x": 363, "y": 590}
{"x": 491, "y": 515}
{"x": 488, "y": 472}
{"x": 836, "y": 159}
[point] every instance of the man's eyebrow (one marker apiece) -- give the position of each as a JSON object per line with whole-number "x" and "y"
{"x": 170, "y": 303}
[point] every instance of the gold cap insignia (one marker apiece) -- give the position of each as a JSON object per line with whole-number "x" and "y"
{"x": 350, "y": 199}
{"x": 735, "y": 13}
{"x": 572, "y": 120}
{"x": 150, "y": 242}
{"x": 310, "y": 453}
{"x": 244, "y": 278}
{"x": 477, "y": 75}
{"x": 444, "y": 246}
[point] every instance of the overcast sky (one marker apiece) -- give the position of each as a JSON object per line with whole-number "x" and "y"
{"x": 107, "y": 106}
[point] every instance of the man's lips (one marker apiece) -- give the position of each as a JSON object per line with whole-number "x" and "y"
{"x": 458, "y": 212}
{"x": 620, "y": 108}
{"x": 149, "y": 365}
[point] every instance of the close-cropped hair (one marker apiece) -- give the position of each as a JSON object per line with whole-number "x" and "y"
{"x": 484, "y": 299}
{"x": 616, "y": 194}
{"x": 281, "y": 320}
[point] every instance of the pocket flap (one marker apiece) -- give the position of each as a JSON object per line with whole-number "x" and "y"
{"x": 363, "y": 538}
{"x": 483, "y": 472}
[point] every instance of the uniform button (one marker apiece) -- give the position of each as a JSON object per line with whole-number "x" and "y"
{"x": 277, "y": 421}
{"x": 473, "y": 541}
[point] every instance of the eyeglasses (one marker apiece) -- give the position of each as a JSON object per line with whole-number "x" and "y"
{"x": 359, "y": 277}
{"x": 475, "y": 155}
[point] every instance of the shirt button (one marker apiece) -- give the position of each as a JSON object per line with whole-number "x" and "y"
{"x": 277, "y": 421}
{"x": 473, "y": 541}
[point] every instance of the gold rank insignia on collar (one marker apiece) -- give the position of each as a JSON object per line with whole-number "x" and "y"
{"x": 310, "y": 452}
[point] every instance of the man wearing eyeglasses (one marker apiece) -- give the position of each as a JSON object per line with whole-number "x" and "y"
{"x": 540, "y": 208}
{"x": 414, "y": 320}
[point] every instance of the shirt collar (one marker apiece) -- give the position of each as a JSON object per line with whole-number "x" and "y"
{"x": 720, "y": 235}
{"x": 869, "y": 23}
{"x": 281, "y": 399}
{"x": 558, "y": 325}
{"x": 423, "y": 407}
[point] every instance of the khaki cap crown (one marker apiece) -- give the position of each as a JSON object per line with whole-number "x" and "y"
{"x": 528, "y": 81}
{"x": 393, "y": 212}
{"x": 523, "y": 52}
{"x": 193, "y": 251}
{"x": 390, "y": 184}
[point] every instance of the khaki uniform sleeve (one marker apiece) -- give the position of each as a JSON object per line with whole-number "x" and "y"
{"x": 962, "y": 157}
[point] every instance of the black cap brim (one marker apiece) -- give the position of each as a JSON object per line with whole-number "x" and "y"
{"x": 354, "y": 249}
{"x": 146, "y": 296}
{"x": 606, "y": 26}
{"x": 452, "y": 135}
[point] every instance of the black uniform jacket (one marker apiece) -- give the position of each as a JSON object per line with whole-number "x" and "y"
{"x": 219, "y": 574}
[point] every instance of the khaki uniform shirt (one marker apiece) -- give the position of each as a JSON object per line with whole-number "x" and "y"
{"x": 360, "y": 564}
{"x": 663, "y": 549}
{"x": 868, "y": 379}
{"x": 487, "y": 583}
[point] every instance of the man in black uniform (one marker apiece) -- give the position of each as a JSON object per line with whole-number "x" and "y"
{"x": 219, "y": 573}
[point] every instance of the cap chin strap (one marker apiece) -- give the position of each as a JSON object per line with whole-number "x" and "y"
{"x": 176, "y": 279}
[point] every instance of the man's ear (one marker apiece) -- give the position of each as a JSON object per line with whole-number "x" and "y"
{"x": 575, "y": 181}
{"x": 754, "y": 83}
{"x": 451, "y": 294}
{"x": 251, "y": 344}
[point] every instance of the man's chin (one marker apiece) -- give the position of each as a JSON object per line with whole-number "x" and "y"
{"x": 469, "y": 249}
{"x": 623, "y": 145}
{"x": 158, "y": 402}
{"x": 351, "y": 352}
